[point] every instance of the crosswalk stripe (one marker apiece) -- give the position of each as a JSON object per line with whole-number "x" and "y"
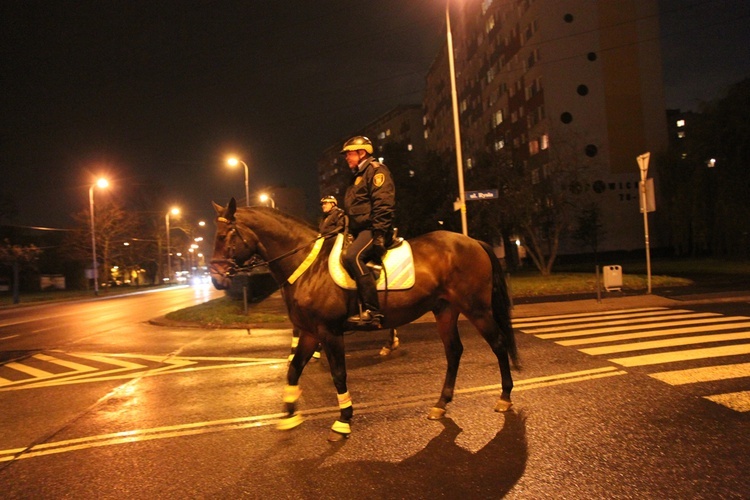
{"x": 596, "y": 331}
{"x": 631, "y": 322}
{"x": 546, "y": 321}
{"x": 703, "y": 374}
{"x": 658, "y": 344}
{"x": 111, "y": 360}
{"x": 650, "y": 334}
{"x": 738, "y": 401}
{"x": 687, "y": 355}
{"x": 67, "y": 364}
{"x": 535, "y": 319}
{"x": 29, "y": 370}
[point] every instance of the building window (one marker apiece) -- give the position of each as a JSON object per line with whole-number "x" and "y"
{"x": 381, "y": 135}
{"x": 544, "y": 140}
{"x": 500, "y": 144}
{"x": 498, "y": 117}
{"x": 681, "y": 134}
{"x": 410, "y": 147}
{"x": 680, "y": 123}
{"x": 533, "y": 147}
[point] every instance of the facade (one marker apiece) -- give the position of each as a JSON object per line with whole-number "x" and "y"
{"x": 580, "y": 75}
{"x": 402, "y": 126}
{"x": 538, "y": 77}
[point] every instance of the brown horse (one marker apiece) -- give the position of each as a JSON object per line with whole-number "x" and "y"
{"x": 454, "y": 275}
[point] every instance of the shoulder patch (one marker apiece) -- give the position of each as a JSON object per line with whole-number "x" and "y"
{"x": 378, "y": 180}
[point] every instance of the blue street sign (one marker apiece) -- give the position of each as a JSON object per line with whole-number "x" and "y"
{"x": 486, "y": 194}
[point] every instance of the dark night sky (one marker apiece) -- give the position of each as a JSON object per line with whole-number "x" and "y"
{"x": 160, "y": 92}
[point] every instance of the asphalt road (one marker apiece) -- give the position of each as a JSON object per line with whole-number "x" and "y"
{"x": 125, "y": 409}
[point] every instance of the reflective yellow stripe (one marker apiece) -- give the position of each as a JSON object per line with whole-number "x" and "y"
{"x": 341, "y": 427}
{"x": 345, "y": 400}
{"x": 308, "y": 261}
{"x": 292, "y": 393}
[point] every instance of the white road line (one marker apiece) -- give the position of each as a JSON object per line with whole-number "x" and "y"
{"x": 737, "y": 401}
{"x": 658, "y": 344}
{"x": 688, "y": 355}
{"x": 631, "y": 322}
{"x": 703, "y": 374}
{"x": 535, "y": 319}
{"x": 532, "y": 323}
{"x": 651, "y": 334}
{"x": 597, "y": 331}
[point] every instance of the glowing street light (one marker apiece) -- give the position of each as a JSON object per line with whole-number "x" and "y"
{"x": 456, "y": 126}
{"x": 264, "y": 198}
{"x": 173, "y": 211}
{"x": 233, "y": 162}
{"x": 101, "y": 184}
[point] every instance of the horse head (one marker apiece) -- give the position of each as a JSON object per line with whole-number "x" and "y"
{"x": 233, "y": 246}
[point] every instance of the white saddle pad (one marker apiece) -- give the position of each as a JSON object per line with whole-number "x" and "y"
{"x": 398, "y": 263}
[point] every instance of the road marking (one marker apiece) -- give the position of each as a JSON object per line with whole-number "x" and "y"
{"x": 704, "y": 374}
{"x": 535, "y": 319}
{"x": 256, "y": 421}
{"x": 29, "y": 370}
{"x": 632, "y": 321}
{"x": 650, "y": 334}
{"x": 688, "y": 355}
{"x": 659, "y": 344}
{"x": 596, "y": 331}
{"x": 67, "y": 364}
{"x": 738, "y": 401}
{"x": 8, "y": 337}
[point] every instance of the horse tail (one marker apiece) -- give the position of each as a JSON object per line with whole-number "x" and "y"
{"x": 501, "y": 305}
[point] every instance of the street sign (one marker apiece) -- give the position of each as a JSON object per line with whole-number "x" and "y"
{"x": 486, "y": 194}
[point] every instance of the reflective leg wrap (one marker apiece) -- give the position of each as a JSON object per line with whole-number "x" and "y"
{"x": 292, "y": 393}
{"x": 345, "y": 400}
{"x": 290, "y": 422}
{"x": 342, "y": 428}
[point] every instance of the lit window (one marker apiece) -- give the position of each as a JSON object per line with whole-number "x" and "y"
{"x": 388, "y": 132}
{"x": 533, "y": 147}
{"x": 499, "y": 145}
{"x": 681, "y": 134}
{"x": 544, "y": 142}
{"x": 409, "y": 147}
{"x": 498, "y": 117}
{"x": 381, "y": 135}
{"x": 680, "y": 123}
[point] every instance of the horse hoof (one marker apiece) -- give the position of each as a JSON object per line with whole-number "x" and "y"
{"x": 503, "y": 406}
{"x": 335, "y": 437}
{"x": 436, "y": 413}
{"x": 290, "y": 422}
{"x": 385, "y": 350}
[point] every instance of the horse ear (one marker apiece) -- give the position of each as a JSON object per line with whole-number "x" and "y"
{"x": 231, "y": 209}
{"x": 218, "y": 208}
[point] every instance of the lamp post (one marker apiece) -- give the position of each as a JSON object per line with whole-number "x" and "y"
{"x": 643, "y": 167}
{"x": 266, "y": 198}
{"x": 232, "y": 162}
{"x": 173, "y": 211}
{"x": 101, "y": 183}
{"x": 456, "y": 126}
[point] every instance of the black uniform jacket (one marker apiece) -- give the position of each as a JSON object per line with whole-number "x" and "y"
{"x": 334, "y": 221}
{"x": 371, "y": 198}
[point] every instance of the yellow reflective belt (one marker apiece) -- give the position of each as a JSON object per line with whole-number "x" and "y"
{"x": 308, "y": 261}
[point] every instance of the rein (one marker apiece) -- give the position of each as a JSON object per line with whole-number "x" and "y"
{"x": 235, "y": 268}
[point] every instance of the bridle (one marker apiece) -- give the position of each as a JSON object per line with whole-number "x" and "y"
{"x": 231, "y": 261}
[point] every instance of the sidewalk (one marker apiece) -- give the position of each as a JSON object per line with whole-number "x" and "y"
{"x": 555, "y": 306}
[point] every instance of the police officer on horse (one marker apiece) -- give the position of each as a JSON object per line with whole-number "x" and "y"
{"x": 370, "y": 206}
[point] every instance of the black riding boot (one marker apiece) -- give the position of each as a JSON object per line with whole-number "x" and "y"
{"x": 368, "y": 296}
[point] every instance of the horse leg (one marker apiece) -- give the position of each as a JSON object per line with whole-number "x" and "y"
{"x": 447, "y": 325}
{"x": 391, "y": 345}
{"x": 334, "y": 348}
{"x": 303, "y": 351}
{"x": 490, "y": 330}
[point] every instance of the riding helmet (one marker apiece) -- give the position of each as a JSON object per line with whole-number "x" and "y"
{"x": 356, "y": 143}
{"x": 329, "y": 199}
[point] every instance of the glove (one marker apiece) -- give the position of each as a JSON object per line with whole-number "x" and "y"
{"x": 378, "y": 243}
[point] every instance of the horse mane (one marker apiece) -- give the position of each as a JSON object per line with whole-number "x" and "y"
{"x": 285, "y": 218}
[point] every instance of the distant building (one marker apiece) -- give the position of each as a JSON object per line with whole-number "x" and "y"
{"x": 533, "y": 74}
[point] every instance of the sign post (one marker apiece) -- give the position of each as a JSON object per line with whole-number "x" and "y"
{"x": 643, "y": 166}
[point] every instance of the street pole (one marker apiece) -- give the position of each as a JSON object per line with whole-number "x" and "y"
{"x": 247, "y": 185}
{"x": 643, "y": 167}
{"x": 102, "y": 183}
{"x": 456, "y": 126}
{"x": 169, "y": 251}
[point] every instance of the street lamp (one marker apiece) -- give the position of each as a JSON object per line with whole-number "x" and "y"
{"x": 101, "y": 183}
{"x": 456, "y": 127}
{"x": 232, "y": 162}
{"x": 266, "y": 198}
{"x": 173, "y": 211}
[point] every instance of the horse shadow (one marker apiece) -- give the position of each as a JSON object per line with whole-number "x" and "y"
{"x": 441, "y": 469}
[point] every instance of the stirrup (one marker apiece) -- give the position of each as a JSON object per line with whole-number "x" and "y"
{"x": 367, "y": 318}
{"x": 375, "y": 269}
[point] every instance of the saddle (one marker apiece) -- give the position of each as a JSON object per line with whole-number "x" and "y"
{"x": 396, "y": 273}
